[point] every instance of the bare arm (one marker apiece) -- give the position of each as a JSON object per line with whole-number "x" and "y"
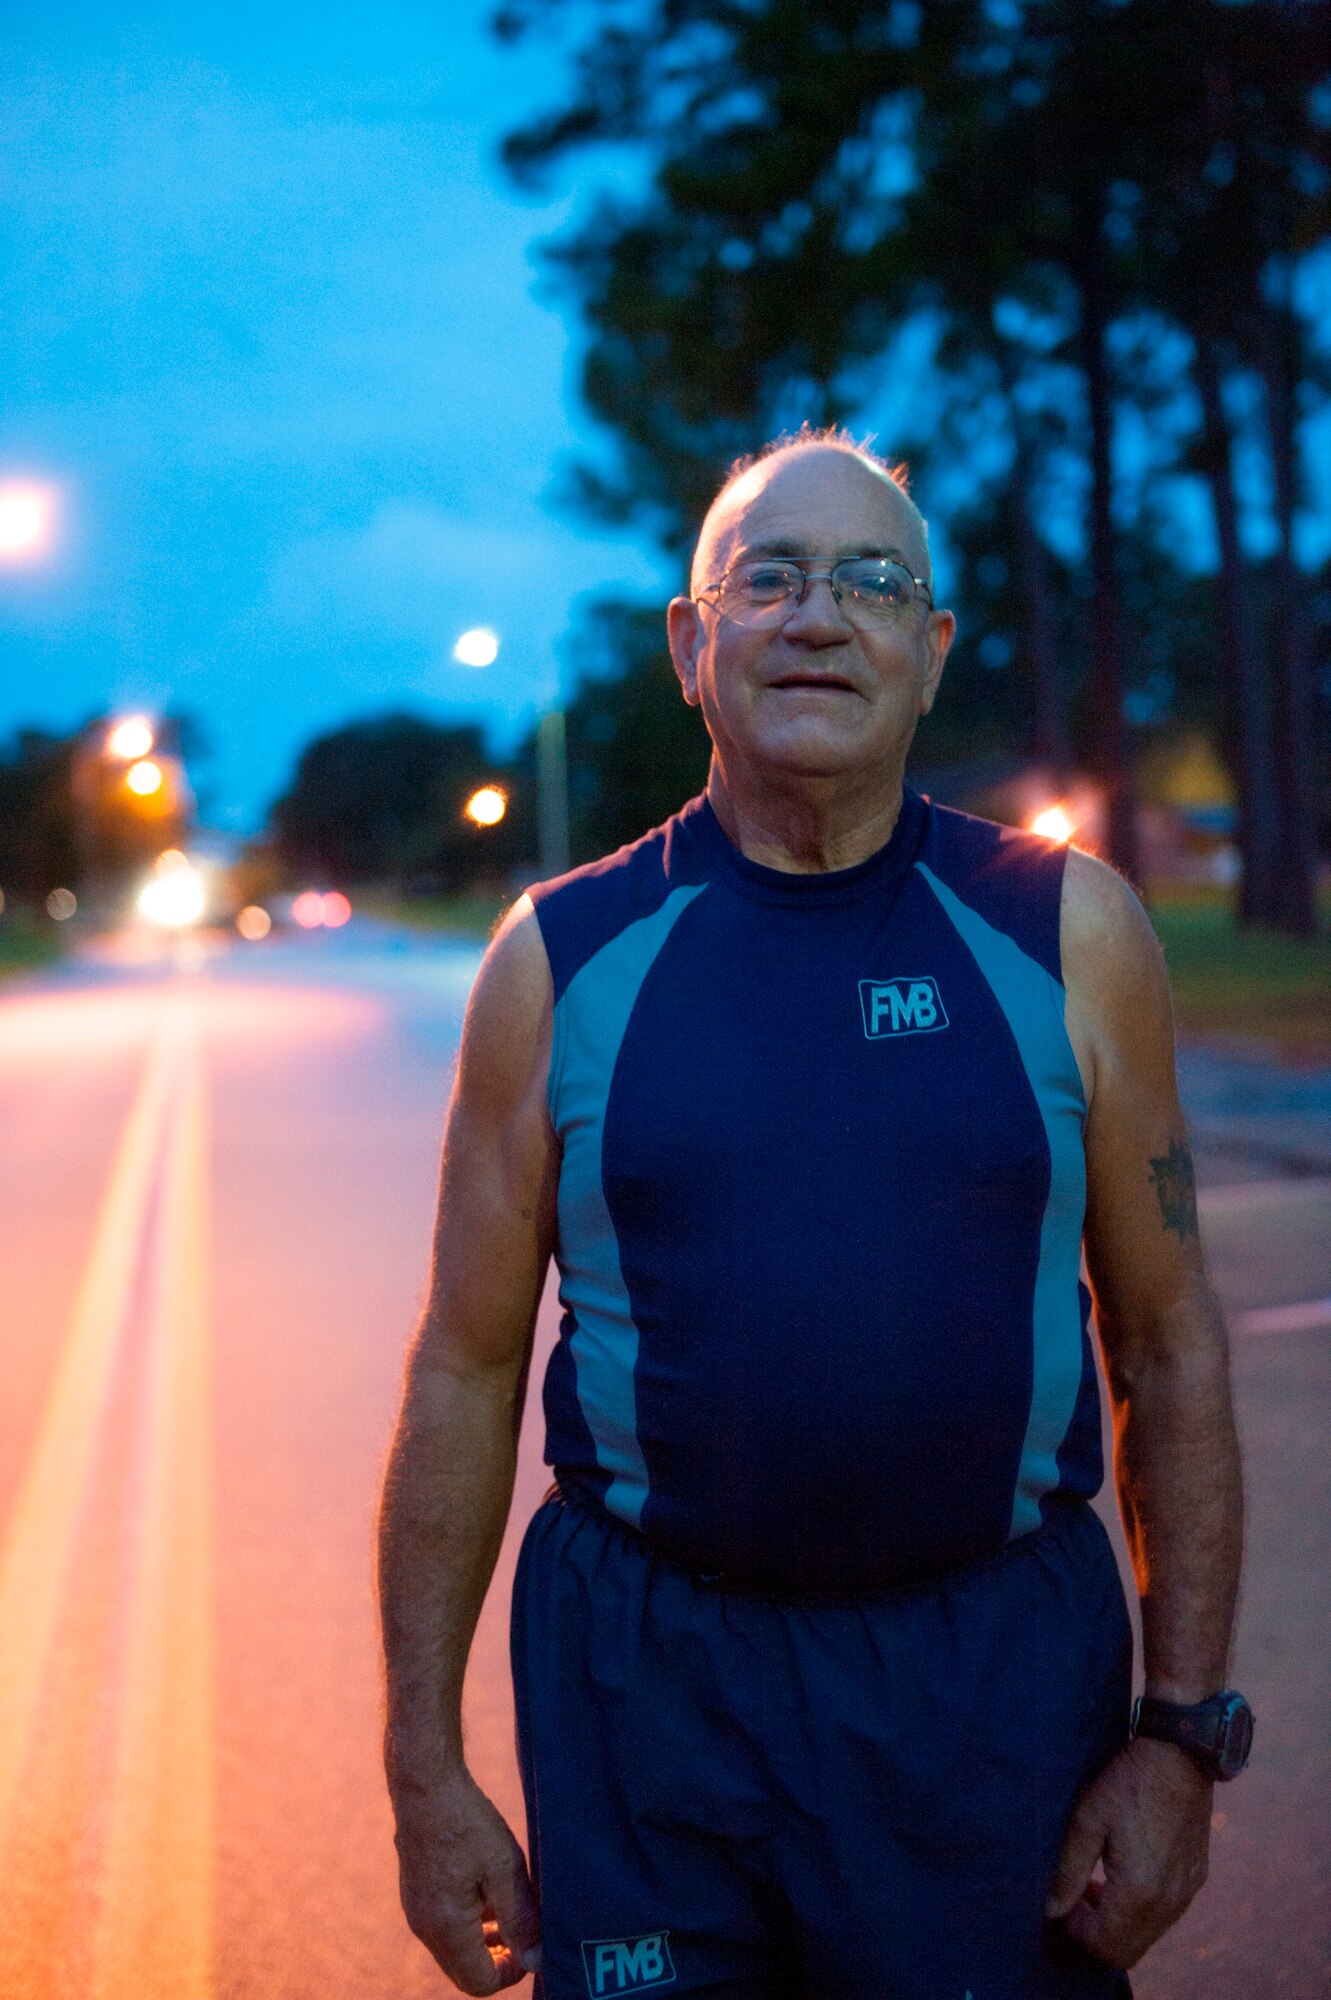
{"x": 450, "y": 1475}
{"x": 1176, "y": 1457}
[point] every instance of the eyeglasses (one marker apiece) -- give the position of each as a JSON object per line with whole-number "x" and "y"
{"x": 871, "y": 590}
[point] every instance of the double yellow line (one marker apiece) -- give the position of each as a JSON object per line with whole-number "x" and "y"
{"x": 149, "y": 1253}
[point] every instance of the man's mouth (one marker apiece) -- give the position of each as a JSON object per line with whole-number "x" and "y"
{"x": 819, "y": 683}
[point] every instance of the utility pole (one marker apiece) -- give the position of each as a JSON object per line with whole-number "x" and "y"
{"x": 552, "y": 792}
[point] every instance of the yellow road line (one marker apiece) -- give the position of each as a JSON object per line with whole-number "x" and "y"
{"x": 44, "y": 1524}
{"x": 154, "y": 1937}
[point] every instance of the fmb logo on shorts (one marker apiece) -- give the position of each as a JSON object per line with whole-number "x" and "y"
{"x": 627, "y": 1965}
{"x": 901, "y": 1007}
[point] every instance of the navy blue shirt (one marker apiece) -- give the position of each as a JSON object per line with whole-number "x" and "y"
{"x": 820, "y": 1201}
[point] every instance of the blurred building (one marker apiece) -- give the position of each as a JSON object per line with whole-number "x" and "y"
{"x": 1186, "y": 820}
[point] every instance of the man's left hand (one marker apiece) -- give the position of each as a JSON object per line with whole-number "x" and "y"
{"x": 1147, "y": 1818}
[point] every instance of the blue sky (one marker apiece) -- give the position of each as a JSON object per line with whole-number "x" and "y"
{"x": 269, "y": 328}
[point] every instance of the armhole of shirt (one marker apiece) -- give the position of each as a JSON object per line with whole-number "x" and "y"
{"x": 1059, "y": 996}
{"x": 558, "y": 1044}
{"x": 1058, "y": 1000}
{"x": 555, "y": 1064}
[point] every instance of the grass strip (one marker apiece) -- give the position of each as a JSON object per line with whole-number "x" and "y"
{"x": 473, "y": 916}
{"x": 26, "y": 943}
{"x": 1250, "y": 985}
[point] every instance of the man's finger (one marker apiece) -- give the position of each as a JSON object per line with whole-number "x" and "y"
{"x": 509, "y": 1894}
{"x": 1082, "y": 1848}
{"x": 508, "y": 1971}
{"x": 462, "y": 1951}
{"x": 1125, "y": 1920}
{"x": 1120, "y": 1929}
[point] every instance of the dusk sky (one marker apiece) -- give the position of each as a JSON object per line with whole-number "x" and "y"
{"x": 270, "y": 337}
{"x": 270, "y": 333}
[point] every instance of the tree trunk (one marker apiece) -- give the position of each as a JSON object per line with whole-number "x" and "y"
{"x": 1246, "y": 684}
{"x": 1295, "y": 692}
{"x": 1108, "y": 736}
{"x": 1050, "y": 741}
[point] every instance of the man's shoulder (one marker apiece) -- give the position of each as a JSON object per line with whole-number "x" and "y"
{"x": 1106, "y": 930}
{"x": 581, "y": 912}
{"x": 1009, "y": 877}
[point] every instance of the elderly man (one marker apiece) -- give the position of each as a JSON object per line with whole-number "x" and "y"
{"x": 815, "y": 1094}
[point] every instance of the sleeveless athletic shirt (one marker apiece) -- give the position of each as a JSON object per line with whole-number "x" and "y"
{"x": 820, "y": 1202}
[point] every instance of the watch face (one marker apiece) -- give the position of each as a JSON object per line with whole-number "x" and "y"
{"x": 1235, "y": 1737}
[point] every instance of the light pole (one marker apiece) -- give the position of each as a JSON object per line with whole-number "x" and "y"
{"x": 552, "y": 791}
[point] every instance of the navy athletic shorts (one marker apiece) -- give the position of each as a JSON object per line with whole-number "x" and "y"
{"x": 764, "y": 1799}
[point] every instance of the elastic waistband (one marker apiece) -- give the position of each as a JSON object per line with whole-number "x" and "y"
{"x": 1063, "y": 1513}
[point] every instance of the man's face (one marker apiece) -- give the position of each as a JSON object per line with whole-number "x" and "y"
{"x": 813, "y": 695}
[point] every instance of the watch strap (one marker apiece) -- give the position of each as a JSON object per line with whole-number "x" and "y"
{"x": 1206, "y": 1729}
{"x": 1193, "y": 1726}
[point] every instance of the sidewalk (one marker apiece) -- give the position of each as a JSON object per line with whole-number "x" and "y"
{"x": 1262, "y": 1925}
{"x": 1251, "y": 1115}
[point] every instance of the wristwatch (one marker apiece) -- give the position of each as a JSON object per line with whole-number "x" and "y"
{"x": 1217, "y": 1734}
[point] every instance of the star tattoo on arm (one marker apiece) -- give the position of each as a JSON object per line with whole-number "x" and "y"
{"x": 1176, "y": 1189}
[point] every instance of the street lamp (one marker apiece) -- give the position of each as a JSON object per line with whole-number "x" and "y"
{"x": 144, "y": 778}
{"x": 27, "y": 515}
{"x": 130, "y": 794}
{"x": 479, "y": 647}
{"x": 487, "y": 806}
{"x": 130, "y": 738}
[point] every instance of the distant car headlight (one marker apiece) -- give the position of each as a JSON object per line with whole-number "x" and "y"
{"x": 174, "y": 897}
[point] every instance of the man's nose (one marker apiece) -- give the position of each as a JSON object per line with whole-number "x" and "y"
{"x": 818, "y": 614}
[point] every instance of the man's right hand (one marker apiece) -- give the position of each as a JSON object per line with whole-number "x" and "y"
{"x": 465, "y": 1888}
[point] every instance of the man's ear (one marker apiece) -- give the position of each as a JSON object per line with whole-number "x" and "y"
{"x": 684, "y": 630}
{"x": 942, "y": 630}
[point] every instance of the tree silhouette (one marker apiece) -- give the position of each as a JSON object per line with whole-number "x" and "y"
{"x": 382, "y": 800}
{"x": 822, "y": 174}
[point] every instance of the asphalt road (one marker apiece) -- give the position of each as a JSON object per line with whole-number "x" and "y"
{"x": 214, "y": 1216}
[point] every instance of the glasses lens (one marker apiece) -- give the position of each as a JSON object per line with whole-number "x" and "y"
{"x": 877, "y": 589}
{"x": 870, "y": 590}
{"x": 758, "y": 590}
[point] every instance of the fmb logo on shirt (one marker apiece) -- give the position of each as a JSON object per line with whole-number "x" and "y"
{"x": 901, "y": 1007}
{"x": 627, "y": 1965}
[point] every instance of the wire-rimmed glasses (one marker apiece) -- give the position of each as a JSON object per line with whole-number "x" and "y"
{"x": 764, "y": 590}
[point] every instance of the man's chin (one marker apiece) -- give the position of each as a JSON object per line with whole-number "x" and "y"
{"x": 817, "y": 752}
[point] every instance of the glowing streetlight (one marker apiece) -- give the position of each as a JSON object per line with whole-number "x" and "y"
{"x": 130, "y": 738}
{"x": 144, "y": 778}
{"x": 254, "y": 922}
{"x": 478, "y": 647}
{"x": 27, "y": 513}
{"x": 487, "y": 806}
{"x": 1053, "y": 823}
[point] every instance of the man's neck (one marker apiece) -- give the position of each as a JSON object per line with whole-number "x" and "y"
{"x": 803, "y": 826}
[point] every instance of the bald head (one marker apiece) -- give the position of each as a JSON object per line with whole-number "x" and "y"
{"x": 817, "y": 488}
